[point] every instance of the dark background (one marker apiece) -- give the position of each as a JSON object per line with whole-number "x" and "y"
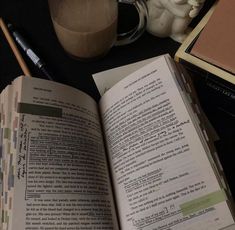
{"x": 32, "y": 19}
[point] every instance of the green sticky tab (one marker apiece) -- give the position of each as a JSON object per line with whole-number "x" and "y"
{"x": 7, "y": 133}
{"x": 9, "y": 148}
{"x": 7, "y": 218}
{"x": 41, "y": 110}
{"x": 2, "y": 216}
{"x": 203, "y": 202}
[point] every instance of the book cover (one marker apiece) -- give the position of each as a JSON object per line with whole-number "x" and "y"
{"x": 215, "y": 44}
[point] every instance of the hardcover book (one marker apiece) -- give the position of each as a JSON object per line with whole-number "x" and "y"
{"x": 190, "y": 58}
{"x": 215, "y": 43}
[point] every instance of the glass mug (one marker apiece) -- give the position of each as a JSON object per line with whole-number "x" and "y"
{"x": 87, "y": 29}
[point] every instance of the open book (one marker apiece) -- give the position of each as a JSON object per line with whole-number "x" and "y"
{"x": 140, "y": 159}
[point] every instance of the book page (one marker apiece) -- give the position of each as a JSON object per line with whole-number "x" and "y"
{"x": 106, "y": 79}
{"x": 1, "y": 154}
{"x": 61, "y": 178}
{"x": 161, "y": 173}
{"x": 6, "y": 101}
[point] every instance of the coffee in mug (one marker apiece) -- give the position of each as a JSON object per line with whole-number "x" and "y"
{"x": 88, "y": 28}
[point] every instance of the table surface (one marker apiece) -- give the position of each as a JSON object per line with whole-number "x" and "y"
{"x": 33, "y": 20}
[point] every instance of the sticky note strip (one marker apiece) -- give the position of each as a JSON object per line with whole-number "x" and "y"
{"x": 203, "y": 202}
{"x": 41, "y": 110}
{"x": 7, "y": 133}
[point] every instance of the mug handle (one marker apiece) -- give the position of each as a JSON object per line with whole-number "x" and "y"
{"x": 132, "y": 35}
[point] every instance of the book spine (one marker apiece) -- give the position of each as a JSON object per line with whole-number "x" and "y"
{"x": 222, "y": 92}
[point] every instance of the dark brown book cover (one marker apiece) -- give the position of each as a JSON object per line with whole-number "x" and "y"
{"x": 216, "y": 43}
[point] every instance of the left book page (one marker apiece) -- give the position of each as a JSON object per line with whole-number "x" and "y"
{"x": 6, "y": 100}
{"x": 58, "y": 170}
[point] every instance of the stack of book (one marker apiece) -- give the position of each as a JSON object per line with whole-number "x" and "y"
{"x": 209, "y": 51}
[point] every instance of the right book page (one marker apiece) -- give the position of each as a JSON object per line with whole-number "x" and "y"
{"x": 215, "y": 44}
{"x": 163, "y": 178}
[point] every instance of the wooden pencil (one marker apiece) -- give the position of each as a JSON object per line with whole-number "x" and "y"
{"x": 14, "y": 48}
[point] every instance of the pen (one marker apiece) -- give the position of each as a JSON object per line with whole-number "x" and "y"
{"x": 28, "y": 50}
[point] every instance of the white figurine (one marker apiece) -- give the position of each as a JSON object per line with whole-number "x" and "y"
{"x": 170, "y": 18}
